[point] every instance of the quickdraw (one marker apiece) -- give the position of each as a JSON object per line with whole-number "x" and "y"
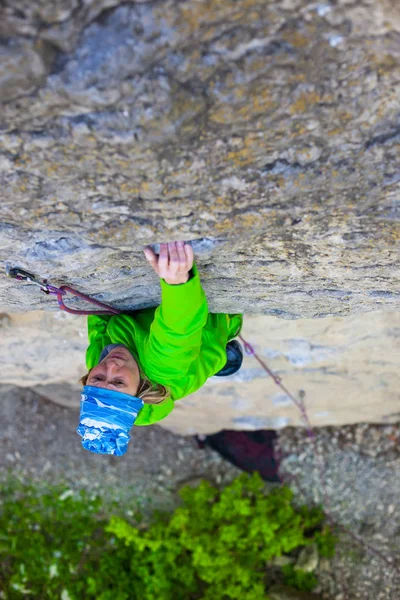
{"x": 21, "y": 275}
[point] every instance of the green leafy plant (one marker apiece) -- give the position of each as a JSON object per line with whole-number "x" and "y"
{"x": 59, "y": 544}
{"x": 53, "y": 542}
{"x": 220, "y": 541}
{"x": 299, "y": 579}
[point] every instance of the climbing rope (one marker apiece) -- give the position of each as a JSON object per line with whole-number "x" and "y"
{"x": 45, "y": 287}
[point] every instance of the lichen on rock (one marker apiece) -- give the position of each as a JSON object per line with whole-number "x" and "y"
{"x": 271, "y": 130}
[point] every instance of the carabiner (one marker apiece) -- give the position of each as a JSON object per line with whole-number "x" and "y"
{"x": 22, "y": 275}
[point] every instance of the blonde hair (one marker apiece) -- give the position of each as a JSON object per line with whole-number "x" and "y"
{"x": 150, "y": 393}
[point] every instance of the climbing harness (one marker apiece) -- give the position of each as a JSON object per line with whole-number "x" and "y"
{"x": 21, "y": 275}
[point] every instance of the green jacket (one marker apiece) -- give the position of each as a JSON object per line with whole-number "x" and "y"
{"x": 178, "y": 344}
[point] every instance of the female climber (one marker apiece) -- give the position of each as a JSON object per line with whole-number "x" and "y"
{"x": 140, "y": 363}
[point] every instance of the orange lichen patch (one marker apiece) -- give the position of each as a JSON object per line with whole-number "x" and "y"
{"x": 299, "y": 77}
{"x": 51, "y": 169}
{"x": 254, "y": 102}
{"x": 242, "y": 221}
{"x": 279, "y": 180}
{"x": 123, "y": 163}
{"x": 395, "y": 234}
{"x": 209, "y": 34}
{"x": 250, "y": 220}
{"x": 345, "y": 116}
{"x": 335, "y": 131}
{"x": 381, "y": 111}
{"x": 248, "y": 3}
{"x": 296, "y": 39}
{"x": 257, "y": 64}
{"x": 223, "y": 226}
{"x": 221, "y": 202}
{"x": 247, "y": 154}
{"x": 174, "y": 192}
{"x": 254, "y": 15}
{"x": 193, "y": 15}
{"x": 298, "y": 130}
{"x": 239, "y": 16}
{"x": 304, "y": 102}
{"x": 221, "y": 113}
{"x": 239, "y": 92}
{"x": 384, "y": 63}
{"x": 299, "y": 180}
{"x": 124, "y": 187}
{"x": 261, "y": 102}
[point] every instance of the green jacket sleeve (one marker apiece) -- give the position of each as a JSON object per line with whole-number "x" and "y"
{"x": 98, "y": 338}
{"x": 175, "y": 336}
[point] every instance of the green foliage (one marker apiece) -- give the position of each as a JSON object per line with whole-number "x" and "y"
{"x": 54, "y": 538}
{"x": 219, "y": 542}
{"x": 215, "y": 546}
{"x": 299, "y": 579}
{"x": 326, "y": 542}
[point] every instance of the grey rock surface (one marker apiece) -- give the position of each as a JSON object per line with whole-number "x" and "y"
{"x": 266, "y": 133}
{"x": 353, "y": 472}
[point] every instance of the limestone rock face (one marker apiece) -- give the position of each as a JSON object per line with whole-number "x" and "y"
{"x": 266, "y": 134}
{"x": 268, "y": 129}
{"x": 23, "y": 68}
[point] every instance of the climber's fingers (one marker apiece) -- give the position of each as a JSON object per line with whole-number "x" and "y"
{"x": 151, "y": 257}
{"x": 180, "y": 250}
{"x": 163, "y": 260}
{"x": 181, "y": 257}
{"x": 178, "y": 258}
{"x": 176, "y": 264}
{"x": 175, "y": 258}
{"x": 189, "y": 256}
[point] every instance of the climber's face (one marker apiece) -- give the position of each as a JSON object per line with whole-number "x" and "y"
{"x": 118, "y": 371}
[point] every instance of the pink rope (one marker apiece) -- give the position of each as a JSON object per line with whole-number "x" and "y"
{"x": 63, "y": 289}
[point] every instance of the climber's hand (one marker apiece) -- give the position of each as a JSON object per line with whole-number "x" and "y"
{"x": 174, "y": 263}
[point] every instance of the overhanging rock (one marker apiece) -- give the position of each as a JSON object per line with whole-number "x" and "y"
{"x": 267, "y": 134}
{"x": 269, "y": 129}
